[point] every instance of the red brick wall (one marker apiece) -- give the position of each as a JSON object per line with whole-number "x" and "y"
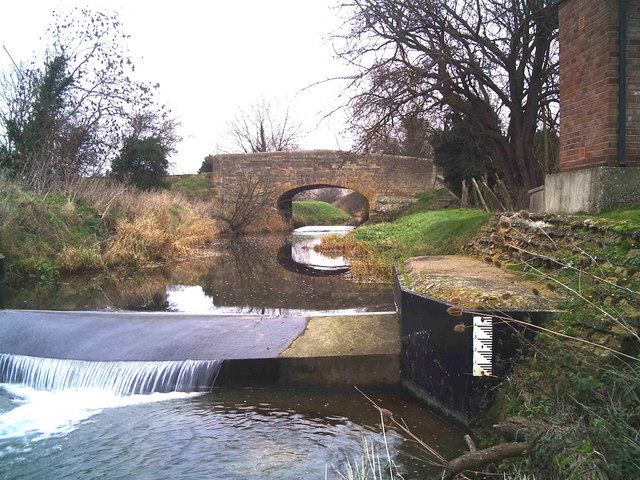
{"x": 633, "y": 83}
{"x": 589, "y": 84}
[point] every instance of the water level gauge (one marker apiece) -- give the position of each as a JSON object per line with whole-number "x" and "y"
{"x": 482, "y": 346}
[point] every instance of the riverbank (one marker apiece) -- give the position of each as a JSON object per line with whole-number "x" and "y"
{"x": 96, "y": 225}
{"x": 575, "y": 395}
{"x": 375, "y": 249}
{"x": 318, "y": 213}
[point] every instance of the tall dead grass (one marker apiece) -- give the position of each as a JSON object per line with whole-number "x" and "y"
{"x": 97, "y": 224}
{"x": 150, "y": 226}
{"x": 143, "y": 227}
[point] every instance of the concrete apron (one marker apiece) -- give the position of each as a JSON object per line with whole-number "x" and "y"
{"x": 336, "y": 352}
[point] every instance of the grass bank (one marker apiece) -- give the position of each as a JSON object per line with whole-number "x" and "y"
{"x": 318, "y": 213}
{"x": 98, "y": 225}
{"x": 374, "y": 249}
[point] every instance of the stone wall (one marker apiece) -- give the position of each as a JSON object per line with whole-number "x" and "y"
{"x": 387, "y": 181}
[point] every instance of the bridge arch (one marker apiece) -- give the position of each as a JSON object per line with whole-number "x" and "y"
{"x": 285, "y": 201}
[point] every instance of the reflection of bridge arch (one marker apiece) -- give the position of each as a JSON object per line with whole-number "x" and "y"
{"x": 388, "y": 182}
{"x": 285, "y": 201}
{"x": 285, "y": 260}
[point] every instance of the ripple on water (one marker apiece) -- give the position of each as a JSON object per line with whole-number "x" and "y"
{"x": 212, "y": 436}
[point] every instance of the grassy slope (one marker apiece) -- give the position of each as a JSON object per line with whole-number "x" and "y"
{"x": 438, "y": 232}
{"x": 35, "y": 229}
{"x": 113, "y": 226}
{"x": 425, "y": 200}
{"x": 376, "y": 248}
{"x": 318, "y": 213}
{"x": 587, "y": 398}
{"x": 196, "y": 187}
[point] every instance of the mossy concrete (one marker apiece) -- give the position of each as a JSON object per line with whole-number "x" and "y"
{"x": 348, "y": 335}
{"x": 341, "y": 352}
{"x": 592, "y": 190}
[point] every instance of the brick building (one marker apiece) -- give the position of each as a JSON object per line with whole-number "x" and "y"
{"x": 599, "y": 92}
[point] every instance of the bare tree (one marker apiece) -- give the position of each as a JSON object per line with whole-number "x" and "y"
{"x": 253, "y": 196}
{"x": 71, "y": 115}
{"x": 322, "y": 194}
{"x": 494, "y": 61}
{"x": 264, "y": 129}
{"x": 407, "y": 134}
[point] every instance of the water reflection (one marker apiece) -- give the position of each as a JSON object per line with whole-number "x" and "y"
{"x": 253, "y": 274}
{"x": 303, "y": 241}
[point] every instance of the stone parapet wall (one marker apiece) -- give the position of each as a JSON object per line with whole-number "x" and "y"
{"x": 382, "y": 179}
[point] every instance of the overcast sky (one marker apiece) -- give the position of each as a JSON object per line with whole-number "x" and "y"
{"x": 214, "y": 57}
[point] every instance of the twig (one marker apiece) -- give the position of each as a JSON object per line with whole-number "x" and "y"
{"x": 403, "y": 427}
{"x": 470, "y": 443}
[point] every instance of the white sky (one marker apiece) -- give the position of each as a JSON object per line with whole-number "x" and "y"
{"x": 214, "y": 57}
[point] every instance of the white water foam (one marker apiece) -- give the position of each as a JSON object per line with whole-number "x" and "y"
{"x": 41, "y": 414}
{"x": 45, "y": 397}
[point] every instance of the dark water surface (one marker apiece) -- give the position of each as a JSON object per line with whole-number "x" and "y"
{"x": 253, "y": 274}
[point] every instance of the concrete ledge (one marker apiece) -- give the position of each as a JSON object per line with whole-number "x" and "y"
{"x": 334, "y": 373}
{"x": 349, "y": 335}
{"x": 592, "y": 190}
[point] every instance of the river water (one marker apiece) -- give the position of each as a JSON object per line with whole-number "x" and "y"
{"x": 252, "y": 274}
{"x": 93, "y": 431}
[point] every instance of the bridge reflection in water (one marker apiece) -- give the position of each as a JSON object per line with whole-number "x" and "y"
{"x": 253, "y": 274}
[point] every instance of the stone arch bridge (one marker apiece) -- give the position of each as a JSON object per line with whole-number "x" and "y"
{"x": 388, "y": 182}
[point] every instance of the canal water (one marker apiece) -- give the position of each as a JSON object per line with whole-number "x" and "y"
{"x": 72, "y": 430}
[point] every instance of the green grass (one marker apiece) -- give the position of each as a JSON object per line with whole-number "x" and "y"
{"x": 376, "y": 248}
{"x": 620, "y": 221}
{"x": 35, "y": 229}
{"x": 425, "y": 201}
{"x": 318, "y": 213}
{"x": 437, "y": 232}
{"x": 196, "y": 187}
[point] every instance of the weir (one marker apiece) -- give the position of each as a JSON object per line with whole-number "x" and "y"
{"x": 119, "y": 378}
{"x": 160, "y": 351}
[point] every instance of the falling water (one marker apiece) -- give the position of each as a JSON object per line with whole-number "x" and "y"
{"x": 119, "y": 378}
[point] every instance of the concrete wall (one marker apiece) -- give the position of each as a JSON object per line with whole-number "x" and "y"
{"x": 592, "y": 190}
{"x": 436, "y": 361}
{"x": 386, "y": 181}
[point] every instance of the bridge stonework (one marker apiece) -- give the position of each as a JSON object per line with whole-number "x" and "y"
{"x": 389, "y": 182}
